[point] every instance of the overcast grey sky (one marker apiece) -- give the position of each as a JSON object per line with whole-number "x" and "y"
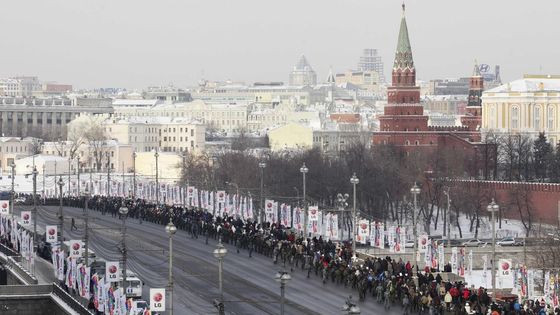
{"x": 135, "y": 43}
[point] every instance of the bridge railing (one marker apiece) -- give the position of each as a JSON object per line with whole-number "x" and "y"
{"x": 69, "y": 300}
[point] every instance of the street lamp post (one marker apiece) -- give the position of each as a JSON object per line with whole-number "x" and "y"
{"x": 354, "y": 181}
{"x": 493, "y": 207}
{"x": 415, "y": 191}
{"x": 283, "y": 277}
{"x": 108, "y": 175}
{"x": 123, "y": 211}
{"x": 35, "y": 209}
{"x": 86, "y": 219}
{"x": 448, "y": 216}
{"x": 13, "y": 194}
{"x": 171, "y": 230}
{"x": 303, "y": 169}
{"x": 78, "y": 175}
{"x": 134, "y": 175}
{"x": 220, "y": 252}
{"x": 60, "y": 212}
{"x": 156, "y": 155}
{"x": 342, "y": 204}
{"x": 262, "y": 165}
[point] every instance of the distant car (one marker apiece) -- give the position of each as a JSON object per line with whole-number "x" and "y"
{"x": 473, "y": 243}
{"x": 506, "y": 241}
{"x": 409, "y": 244}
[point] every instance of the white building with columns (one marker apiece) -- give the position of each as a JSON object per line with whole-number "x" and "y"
{"x": 530, "y": 105}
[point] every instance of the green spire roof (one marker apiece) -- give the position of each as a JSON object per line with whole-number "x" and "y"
{"x": 403, "y": 55}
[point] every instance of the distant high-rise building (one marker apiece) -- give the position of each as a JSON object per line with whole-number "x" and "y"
{"x": 371, "y": 61}
{"x": 303, "y": 74}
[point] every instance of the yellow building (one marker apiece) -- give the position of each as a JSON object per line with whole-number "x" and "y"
{"x": 367, "y": 80}
{"x": 291, "y": 136}
{"x": 529, "y": 105}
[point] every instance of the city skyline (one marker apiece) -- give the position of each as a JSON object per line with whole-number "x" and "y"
{"x": 96, "y": 47}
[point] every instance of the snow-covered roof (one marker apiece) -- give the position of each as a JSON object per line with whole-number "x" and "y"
{"x": 530, "y": 84}
{"x": 129, "y": 102}
{"x": 43, "y": 158}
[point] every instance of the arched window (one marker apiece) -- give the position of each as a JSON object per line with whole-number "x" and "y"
{"x": 550, "y": 118}
{"x": 417, "y": 142}
{"x": 537, "y": 118}
{"x": 514, "y": 117}
{"x": 407, "y": 142}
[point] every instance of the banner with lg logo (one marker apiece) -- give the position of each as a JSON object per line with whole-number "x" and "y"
{"x": 26, "y": 218}
{"x": 157, "y": 300}
{"x": 4, "y": 207}
{"x": 75, "y": 248}
{"x": 112, "y": 271}
{"x": 51, "y": 233}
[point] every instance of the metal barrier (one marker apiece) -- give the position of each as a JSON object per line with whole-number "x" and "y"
{"x": 69, "y": 300}
{"x": 7, "y": 251}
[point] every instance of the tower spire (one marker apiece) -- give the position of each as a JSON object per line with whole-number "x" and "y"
{"x": 476, "y": 70}
{"x": 403, "y": 54}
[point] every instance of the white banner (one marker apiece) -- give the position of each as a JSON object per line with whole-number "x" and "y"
{"x": 51, "y": 234}
{"x": 75, "y": 248}
{"x": 221, "y": 196}
{"x": 25, "y": 218}
{"x": 363, "y": 231}
{"x": 112, "y": 271}
{"x": 454, "y": 260}
{"x": 313, "y": 213}
{"x": 5, "y": 207}
{"x": 157, "y": 300}
{"x": 504, "y": 268}
{"x": 423, "y": 243}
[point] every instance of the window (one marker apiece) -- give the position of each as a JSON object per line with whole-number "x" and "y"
{"x": 550, "y": 116}
{"x": 537, "y": 118}
{"x": 515, "y": 117}
{"x": 417, "y": 142}
{"x": 407, "y": 142}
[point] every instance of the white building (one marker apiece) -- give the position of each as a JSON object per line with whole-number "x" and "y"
{"x": 529, "y": 105}
{"x": 167, "y": 134}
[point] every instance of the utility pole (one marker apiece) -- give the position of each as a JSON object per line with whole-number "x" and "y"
{"x": 86, "y": 232}
{"x": 493, "y": 207}
{"x": 43, "y": 190}
{"x": 35, "y": 209}
{"x": 123, "y": 190}
{"x": 61, "y": 213}
{"x": 157, "y": 179}
{"x": 170, "y": 229}
{"x": 69, "y": 166}
{"x": 354, "y": 181}
{"x": 415, "y": 190}
{"x": 108, "y": 176}
{"x": 134, "y": 175}
{"x": 123, "y": 212}
{"x": 78, "y": 172}
{"x": 185, "y": 173}
{"x": 12, "y": 195}
{"x": 262, "y": 165}
{"x": 304, "y": 171}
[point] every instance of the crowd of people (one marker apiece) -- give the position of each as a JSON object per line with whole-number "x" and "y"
{"x": 389, "y": 282}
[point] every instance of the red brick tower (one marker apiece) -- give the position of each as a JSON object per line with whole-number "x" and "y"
{"x": 473, "y": 118}
{"x": 403, "y": 111}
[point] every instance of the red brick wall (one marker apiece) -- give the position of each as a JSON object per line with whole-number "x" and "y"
{"x": 544, "y": 197}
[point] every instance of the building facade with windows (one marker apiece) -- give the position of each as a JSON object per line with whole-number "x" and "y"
{"x": 158, "y": 133}
{"x": 530, "y": 105}
{"x": 46, "y": 118}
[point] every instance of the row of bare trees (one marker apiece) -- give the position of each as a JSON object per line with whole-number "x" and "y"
{"x": 520, "y": 157}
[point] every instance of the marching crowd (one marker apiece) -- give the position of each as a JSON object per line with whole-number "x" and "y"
{"x": 388, "y": 281}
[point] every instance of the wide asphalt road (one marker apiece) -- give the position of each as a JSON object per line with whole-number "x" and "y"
{"x": 249, "y": 285}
